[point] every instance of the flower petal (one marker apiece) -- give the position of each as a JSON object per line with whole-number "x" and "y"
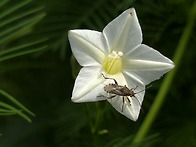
{"x": 87, "y": 46}
{"x": 130, "y": 108}
{"x": 146, "y": 64}
{"x": 88, "y": 85}
{"x": 124, "y": 32}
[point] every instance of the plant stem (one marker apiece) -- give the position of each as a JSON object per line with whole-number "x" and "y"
{"x": 87, "y": 112}
{"x": 94, "y": 125}
{"x": 94, "y": 130}
{"x": 99, "y": 118}
{"x": 91, "y": 124}
{"x": 168, "y": 79}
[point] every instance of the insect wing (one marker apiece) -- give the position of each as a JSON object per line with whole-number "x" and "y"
{"x": 118, "y": 90}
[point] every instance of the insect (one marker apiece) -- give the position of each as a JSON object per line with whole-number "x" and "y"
{"x": 118, "y": 90}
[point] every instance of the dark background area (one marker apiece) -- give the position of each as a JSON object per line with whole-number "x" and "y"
{"x": 43, "y": 81}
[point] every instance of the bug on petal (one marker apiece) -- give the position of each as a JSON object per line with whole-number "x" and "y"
{"x": 118, "y": 90}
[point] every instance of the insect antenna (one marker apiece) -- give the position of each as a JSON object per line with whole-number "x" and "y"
{"x": 143, "y": 89}
{"x": 139, "y": 92}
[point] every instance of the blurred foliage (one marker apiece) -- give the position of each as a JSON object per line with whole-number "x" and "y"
{"x": 14, "y": 24}
{"x": 42, "y": 79}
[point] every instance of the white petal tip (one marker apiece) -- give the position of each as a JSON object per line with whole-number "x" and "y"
{"x": 134, "y": 118}
{"x": 132, "y": 11}
{"x": 75, "y": 100}
{"x": 70, "y": 32}
{"x": 173, "y": 65}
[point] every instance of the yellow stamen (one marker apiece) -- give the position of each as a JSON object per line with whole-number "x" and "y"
{"x": 113, "y": 63}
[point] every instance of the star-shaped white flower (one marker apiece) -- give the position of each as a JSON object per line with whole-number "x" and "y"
{"x": 116, "y": 53}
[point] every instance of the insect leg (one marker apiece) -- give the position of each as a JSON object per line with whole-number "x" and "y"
{"x": 112, "y": 97}
{"x": 138, "y": 102}
{"x": 129, "y": 100}
{"x": 107, "y": 97}
{"x": 123, "y": 103}
{"x": 110, "y": 78}
{"x": 100, "y": 96}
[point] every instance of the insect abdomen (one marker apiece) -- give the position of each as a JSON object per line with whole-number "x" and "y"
{"x": 116, "y": 89}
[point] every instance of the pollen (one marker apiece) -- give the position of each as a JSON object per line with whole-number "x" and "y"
{"x": 113, "y": 63}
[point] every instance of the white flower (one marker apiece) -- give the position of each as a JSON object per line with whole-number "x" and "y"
{"x": 116, "y": 52}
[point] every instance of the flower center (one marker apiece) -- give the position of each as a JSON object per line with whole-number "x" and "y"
{"x": 113, "y": 63}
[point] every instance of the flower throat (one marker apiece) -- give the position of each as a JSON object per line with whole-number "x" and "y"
{"x": 113, "y": 63}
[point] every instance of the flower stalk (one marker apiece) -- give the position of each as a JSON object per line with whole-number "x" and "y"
{"x": 180, "y": 50}
{"x": 99, "y": 118}
{"x": 95, "y": 125}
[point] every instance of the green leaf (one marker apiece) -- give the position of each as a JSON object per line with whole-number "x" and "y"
{"x": 20, "y": 27}
{"x": 6, "y": 112}
{"x": 19, "y": 112}
{"x": 33, "y": 50}
{"x": 12, "y": 99}
{"x": 20, "y": 16}
{"x": 13, "y": 8}
{"x": 3, "y": 2}
{"x": 17, "y": 19}
{"x": 22, "y": 46}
